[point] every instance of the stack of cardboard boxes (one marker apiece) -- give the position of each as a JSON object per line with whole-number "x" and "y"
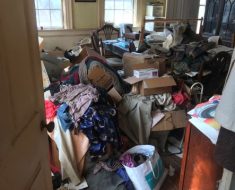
{"x": 146, "y": 83}
{"x": 145, "y": 86}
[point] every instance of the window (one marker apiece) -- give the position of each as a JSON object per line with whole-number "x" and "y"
{"x": 119, "y": 11}
{"x": 201, "y": 12}
{"x": 53, "y": 14}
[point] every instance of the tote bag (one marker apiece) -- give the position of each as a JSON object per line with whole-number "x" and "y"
{"x": 150, "y": 174}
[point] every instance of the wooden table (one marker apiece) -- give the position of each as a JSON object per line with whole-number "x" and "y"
{"x": 116, "y": 46}
{"x": 199, "y": 171}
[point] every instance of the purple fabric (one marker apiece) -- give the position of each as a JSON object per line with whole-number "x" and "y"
{"x": 127, "y": 160}
{"x": 78, "y": 98}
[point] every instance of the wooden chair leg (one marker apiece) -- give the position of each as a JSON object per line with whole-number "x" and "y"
{"x": 233, "y": 40}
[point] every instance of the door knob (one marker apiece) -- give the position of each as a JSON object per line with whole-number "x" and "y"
{"x": 50, "y": 126}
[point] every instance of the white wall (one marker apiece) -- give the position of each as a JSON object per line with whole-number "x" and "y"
{"x": 64, "y": 39}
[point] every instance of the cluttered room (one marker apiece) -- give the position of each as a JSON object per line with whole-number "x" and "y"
{"x": 139, "y": 94}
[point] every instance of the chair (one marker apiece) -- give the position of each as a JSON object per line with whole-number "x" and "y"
{"x": 233, "y": 41}
{"x": 129, "y": 29}
{"x": 108, "y": 31}
{"x": 96, "y": 42}
{"x": 114, "y": 62}
{"x": 218, "y": 66}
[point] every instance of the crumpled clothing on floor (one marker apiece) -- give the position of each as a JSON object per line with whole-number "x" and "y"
{"x": 103, "y": 180}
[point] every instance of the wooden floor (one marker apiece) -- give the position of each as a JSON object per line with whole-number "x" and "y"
{"x": 172, "y": 183}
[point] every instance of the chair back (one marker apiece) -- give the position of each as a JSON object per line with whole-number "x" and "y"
{"x": 129, "y": 29}
{"x": 95, "y": 41}
{"x": 220, "y": 63}
{"x": 219, "y": 66}
{"x": 108, "y": 31}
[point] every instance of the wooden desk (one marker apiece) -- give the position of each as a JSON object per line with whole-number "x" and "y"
{"x": 199, "y": 171}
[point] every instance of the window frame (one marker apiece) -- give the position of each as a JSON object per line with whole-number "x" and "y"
{"x": 114, "y": 9}
{"x": 199, "y": 17}
{"x": 66, "y": 14}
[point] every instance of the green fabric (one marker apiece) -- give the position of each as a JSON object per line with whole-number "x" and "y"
{"x": 135, "y": 118}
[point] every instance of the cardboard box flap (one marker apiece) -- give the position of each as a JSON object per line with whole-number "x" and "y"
{"x": 179, "y": 118}
{"x": 116, "y": 97}
{"x": 172, "y": 120}
{"x": 159, "y": 82}
{"x": 133, "y": 80}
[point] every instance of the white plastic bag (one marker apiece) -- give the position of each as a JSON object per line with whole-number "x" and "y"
{"x": 150, "y": 174}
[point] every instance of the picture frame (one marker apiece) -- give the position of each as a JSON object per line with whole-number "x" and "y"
{"x": 155, "y": 11}
{"x": 85, "y": 1}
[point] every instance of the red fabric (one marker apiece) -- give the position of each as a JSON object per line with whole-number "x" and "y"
{"x": 50, "y": 109}
{"x": 54, "y": 169}
{"x": 179, "y": 98}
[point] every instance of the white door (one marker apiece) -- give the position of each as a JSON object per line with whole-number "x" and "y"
{"x": 24, "y": 162}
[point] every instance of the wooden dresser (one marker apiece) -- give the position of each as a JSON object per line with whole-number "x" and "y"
{"x": 199, "y": 171}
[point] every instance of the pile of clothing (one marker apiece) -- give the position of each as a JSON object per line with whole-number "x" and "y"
{"x": 133, "y": 160}
{"x": 185, "y": 58}
{"x": 86, "y": 108}
{"x": 84, "y": 116}
{"x": 173, "y": 35}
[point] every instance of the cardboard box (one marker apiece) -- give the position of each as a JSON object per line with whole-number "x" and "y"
{"x": 151, "y": 86}
{"x": 172, "y": 120}
{"x": 116, "y": 97}
{"x": 146, "y": 73}
{"x": 134, "y": 61}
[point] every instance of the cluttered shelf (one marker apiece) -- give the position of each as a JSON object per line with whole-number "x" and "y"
{"x": 109, "y": 123}
{"x": 165, "y": 23}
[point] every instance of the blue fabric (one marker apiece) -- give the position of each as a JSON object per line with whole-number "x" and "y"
{"x": 121, "y": 172}
{"x": 100, "y": 125}
{"x": 64, "y": 117}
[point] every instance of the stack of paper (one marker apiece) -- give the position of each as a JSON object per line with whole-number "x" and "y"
{"x": 203, "y": 118}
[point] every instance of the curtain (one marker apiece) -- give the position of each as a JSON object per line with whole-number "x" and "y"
{"x": 67, "y": 14}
